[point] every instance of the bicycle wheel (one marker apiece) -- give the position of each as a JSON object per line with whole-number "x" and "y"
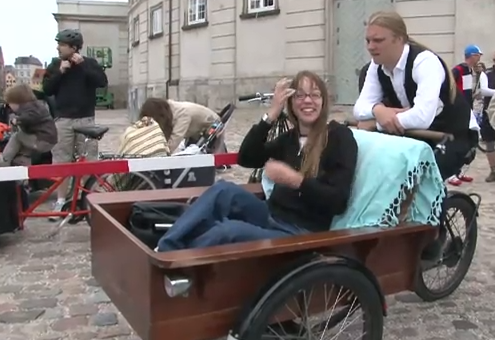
{"x": 133, "y": 181}
{"x": 457, "y": 256}
{"x": 296, "y": 311}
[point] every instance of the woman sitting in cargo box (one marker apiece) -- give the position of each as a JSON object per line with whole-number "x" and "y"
{"x": 312, "y": 165}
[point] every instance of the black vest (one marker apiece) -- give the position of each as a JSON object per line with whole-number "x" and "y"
{"x": 455, "y": 116}
{"x": 491, "y": 85}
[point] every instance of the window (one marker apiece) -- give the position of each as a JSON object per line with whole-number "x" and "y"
{"x": 197, "y": 11}
{"x": 260, "y": 5}
{"x": 156, "y": 17}
{"x": 135, "y": 31}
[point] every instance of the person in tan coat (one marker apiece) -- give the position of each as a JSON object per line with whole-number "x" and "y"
{"x": 189, "y": 120}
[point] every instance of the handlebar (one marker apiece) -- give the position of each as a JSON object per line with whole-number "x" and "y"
{"x": 256, "y": 97}
{"x": 434, "y": 136}
{"x": 247, "y": 97}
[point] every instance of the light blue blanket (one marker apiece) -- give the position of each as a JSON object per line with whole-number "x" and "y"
{"x": 389, "y": 167}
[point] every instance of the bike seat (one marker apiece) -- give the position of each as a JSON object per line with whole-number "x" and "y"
{"x": 92, "y": 132}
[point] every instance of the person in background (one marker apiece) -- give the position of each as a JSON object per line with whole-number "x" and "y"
{"x": 466, "y": 80}
{"x": 422, "y": 94}
{"x": 36, "y": 128}
{"x": 478, "y": 99}
{"x": 72, "y": 79}
{"x": 189, "y": 121}
{"x": 148, "y": 136}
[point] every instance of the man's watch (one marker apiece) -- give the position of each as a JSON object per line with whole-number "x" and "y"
{"x": 266, "y": 119}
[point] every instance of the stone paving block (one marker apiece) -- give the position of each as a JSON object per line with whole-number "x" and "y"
{"x": 47, "y": 291}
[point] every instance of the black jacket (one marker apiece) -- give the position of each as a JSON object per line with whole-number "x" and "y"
{"x": 74, "y": 90}
{"x": 318, "y": 200}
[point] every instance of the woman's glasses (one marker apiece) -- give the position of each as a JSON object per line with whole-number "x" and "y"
{"x": 299, "y": 95}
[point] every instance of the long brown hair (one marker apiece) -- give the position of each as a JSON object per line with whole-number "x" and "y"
{"x": 160, "y": 111}
{"x": 393, "y": 21}
{"x": 318, "y": 135}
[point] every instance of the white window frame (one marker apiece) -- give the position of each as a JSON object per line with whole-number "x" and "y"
{"x": 262, "y": 6}
{"x": 156, "y": 17}
{"x": 194, "y": 15}
{"x": 135, "y": 30}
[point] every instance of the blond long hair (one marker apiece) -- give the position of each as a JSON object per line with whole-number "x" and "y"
{"x": 393, "y": 21}
{"x": 318, "y": 135}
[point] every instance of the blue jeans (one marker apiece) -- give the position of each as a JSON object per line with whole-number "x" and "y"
{"x": 225, "y": 213}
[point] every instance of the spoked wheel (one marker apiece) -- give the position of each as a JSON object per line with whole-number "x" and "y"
{"x": 133, "y": 181}
{"x": 327, "y": 303}
{"x": 438, "y": 280}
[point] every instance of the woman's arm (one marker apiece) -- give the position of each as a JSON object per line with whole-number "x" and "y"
{"x": 255, "y": 151}
{"x": 429, "y": 75}
{"x": 179, "y": 131}
{"x": 332, "y": 190}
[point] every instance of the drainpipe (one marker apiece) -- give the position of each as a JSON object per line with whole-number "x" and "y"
{"x": 169, "y": 67}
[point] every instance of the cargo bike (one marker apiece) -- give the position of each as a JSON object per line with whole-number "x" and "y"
{"x": 328, "y": 285}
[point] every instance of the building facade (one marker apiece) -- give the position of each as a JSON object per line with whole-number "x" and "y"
{"x": 25, "y": 68}
{"x": 104, "y": 27}
{"x": 210, "y": 51}
{"x": 10, "y": 79}
{"x": 37, "y": 80}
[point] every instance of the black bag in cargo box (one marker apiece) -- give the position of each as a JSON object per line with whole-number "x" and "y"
{"x": 149, "y": 221}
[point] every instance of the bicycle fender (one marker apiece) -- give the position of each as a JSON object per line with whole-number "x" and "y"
{"x": 465, "y": 197}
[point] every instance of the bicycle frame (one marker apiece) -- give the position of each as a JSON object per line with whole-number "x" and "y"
{"x": 73, "y": 210}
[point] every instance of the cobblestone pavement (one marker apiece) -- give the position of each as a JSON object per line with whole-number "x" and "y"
{"x": 47, "y": 292}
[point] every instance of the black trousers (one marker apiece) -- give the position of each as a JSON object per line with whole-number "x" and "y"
{"x": 458, "y": 153}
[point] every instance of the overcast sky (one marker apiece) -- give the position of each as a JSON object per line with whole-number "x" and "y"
{"x": 28, "y": 27}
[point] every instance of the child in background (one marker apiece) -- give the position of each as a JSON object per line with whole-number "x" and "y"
{"x": 36, "y": 131}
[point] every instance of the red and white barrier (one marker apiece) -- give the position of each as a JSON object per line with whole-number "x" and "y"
{"x": 15, "y": 173}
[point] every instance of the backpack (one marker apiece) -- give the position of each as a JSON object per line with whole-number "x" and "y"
{"x": 149, "y": 221}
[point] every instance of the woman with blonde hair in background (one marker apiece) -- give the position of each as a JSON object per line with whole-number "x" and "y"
{"x": 422, "y": 93}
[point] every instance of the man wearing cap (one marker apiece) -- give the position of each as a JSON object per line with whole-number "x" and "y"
{"x": 463, "y": 75}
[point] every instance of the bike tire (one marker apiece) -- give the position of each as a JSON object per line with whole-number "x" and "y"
{"x": 464, "y": 263}
{"x": 92, "y": 180}
{"x": 340, "y": 275}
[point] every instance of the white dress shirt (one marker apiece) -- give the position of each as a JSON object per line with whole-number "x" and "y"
{"x": 484, "y": 89}
{"x": 428, "y": 73}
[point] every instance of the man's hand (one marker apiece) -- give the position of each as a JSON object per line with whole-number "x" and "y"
{"x": 368, "y": 125}
{"x": 282, "y": 173}
{"x": 387, "y": 118}
{"x": 77, "y": 58}
{"x": 64, "y": 65}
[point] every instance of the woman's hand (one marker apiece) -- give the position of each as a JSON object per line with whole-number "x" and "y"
{"x": 280, "y": 95}
{"x": 282, "y": 173}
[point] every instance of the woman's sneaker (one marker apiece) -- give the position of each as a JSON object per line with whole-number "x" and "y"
{"x": 464, "y": 178}
{"x": 454, "y": 181}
